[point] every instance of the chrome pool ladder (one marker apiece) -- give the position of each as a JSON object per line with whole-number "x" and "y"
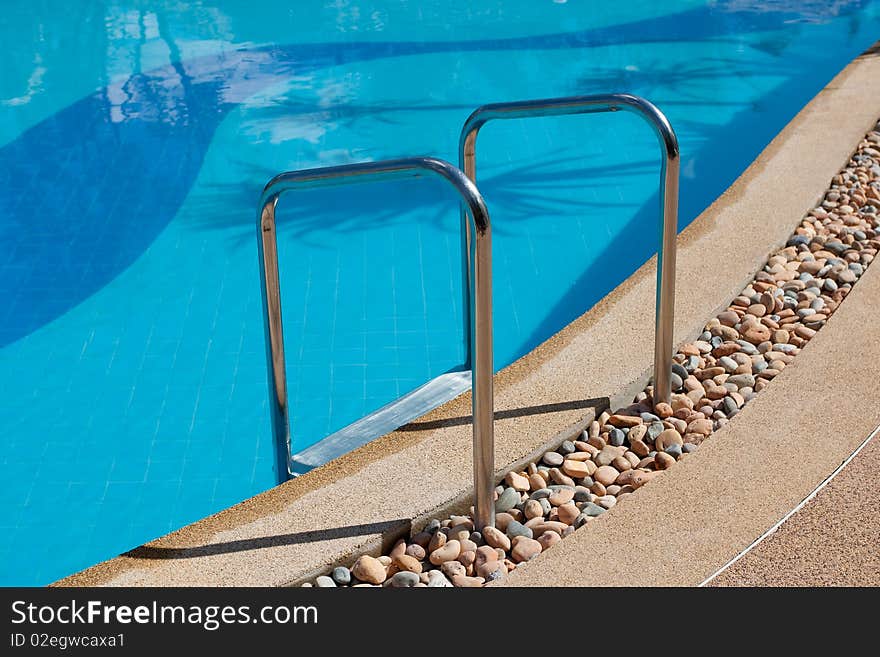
{"x": 669, "y": 171}
{"x": 478, "y": 294}
{"x": 477, "y": 272}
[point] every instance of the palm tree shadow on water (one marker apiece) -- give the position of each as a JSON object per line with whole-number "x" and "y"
{"x": 518, "y": 194}
{"x": 170, "y": 114}
{"x": 521, "y": 193}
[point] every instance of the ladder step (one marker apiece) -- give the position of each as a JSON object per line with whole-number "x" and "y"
{"x": 382, "y": 421}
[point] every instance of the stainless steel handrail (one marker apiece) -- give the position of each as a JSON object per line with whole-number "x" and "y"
{"x": 478, "y": 283}
{"x": 669, "y": 168}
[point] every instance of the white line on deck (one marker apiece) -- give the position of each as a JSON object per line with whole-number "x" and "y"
{"x": 788, "y": 515}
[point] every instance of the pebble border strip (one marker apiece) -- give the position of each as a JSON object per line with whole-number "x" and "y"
{"x": 738, "y": 354}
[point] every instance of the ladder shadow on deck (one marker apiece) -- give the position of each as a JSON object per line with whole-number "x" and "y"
{"x": 260, "y": 542}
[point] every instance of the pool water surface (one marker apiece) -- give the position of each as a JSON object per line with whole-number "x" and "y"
{"x": 135, "y": 138}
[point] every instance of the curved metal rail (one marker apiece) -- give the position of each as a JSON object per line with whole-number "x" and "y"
{"x": 665, "y": 299}
{"x": 478, "y": 296}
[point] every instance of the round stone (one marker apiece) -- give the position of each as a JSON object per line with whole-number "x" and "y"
{"x": 501, "y": 520}
{"x": 637, "y": 433}
{"x": 492, "y": 570}
{"x": 663, "y": 410}
{"x": 667, "y": 438}
{"x": 404, "y": 579}
{"x": 459, "y": 533}
{"x": 655, "y": 429}
{"x": 592, "y": 510}
{"x": 606, "y": 475}
{"x": 496, "y": 538}
{"x": 582, "y": 495}
{"x": 341, "y": 575}
{"x": 757, "y": 310}
{"x": 399, "y": 548}
{"x": 517, "y": 482}
{"x": 438, "y": 540}
{"x": 541, "y": 493}
{"x": 701, "y": 426}
{"x": 568, "y": 512}
{"x": 437, "y": 579}
{"x": 369, "y": 569}
{"x": 515, "y": 529}
{"x": 549, "y": 525}
{"x": 548, "y": 539}
{"x": 467, "y": 559}
{"x": 464, "y": 582}
{"x": 639, "y": 448}
{"x": 607, "y": 455}
{"x": 729, "y": 407}
{"x": 415, "y": 551}
{"x": 525, "y": 549}
{"x": 484, "y": 554}
{"x": 561, "y": 495}
{"x": 453, "y": 568}
{"x": 448, "y": 552}
{"x": 757, "y": 334}
{"x": 553, "y": 459}
{"x": 532, "y": 509}
{"x": 741, "y": 380}
{"x": 606, "y": 501}
{"x": 747, "y": 347}
{"x": 576, "y": 469}
{"x": 325, "y": 582}
{"x": 624, "y": 421}
{"x": 507, "y": 500}
{"x": 728, "y": 364}
{"x": 408, "y": 563}
{"x": 728, "y": 318}
{"x": 559, "y": 477}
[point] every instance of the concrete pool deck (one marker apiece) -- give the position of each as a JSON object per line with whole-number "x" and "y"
{"x": 831, "y": 541}
{"x": 346, "y": 507}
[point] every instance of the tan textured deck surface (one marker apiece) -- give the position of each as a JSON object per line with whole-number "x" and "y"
{"x": 832, "y": 541}
{"x": 338, "y": 510}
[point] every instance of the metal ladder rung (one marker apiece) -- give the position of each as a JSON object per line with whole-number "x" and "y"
{"x": 393, "y": 415}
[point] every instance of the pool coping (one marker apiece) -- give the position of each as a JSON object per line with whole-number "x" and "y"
{"x": 370, "y": 496}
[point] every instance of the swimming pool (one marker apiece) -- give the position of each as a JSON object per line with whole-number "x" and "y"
{"x": 135, "y": 138}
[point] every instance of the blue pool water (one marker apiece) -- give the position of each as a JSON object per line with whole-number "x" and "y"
{"x": 134, "y": 140}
